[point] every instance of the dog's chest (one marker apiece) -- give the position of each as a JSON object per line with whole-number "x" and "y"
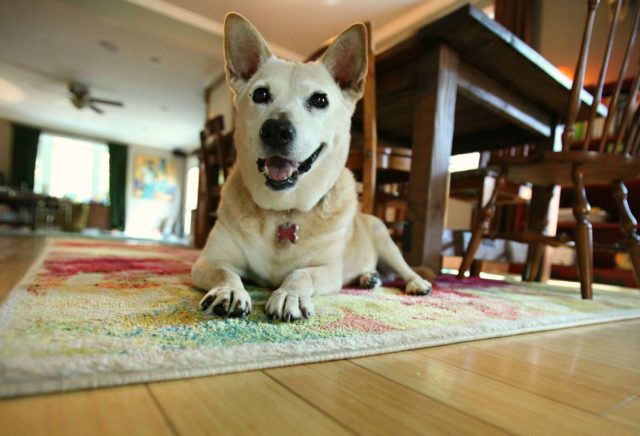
{"x": 273, "y": 251}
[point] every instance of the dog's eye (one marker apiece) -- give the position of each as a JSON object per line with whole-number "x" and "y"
{"x": 261, "y": 96}
{"x": 318, "y": 100}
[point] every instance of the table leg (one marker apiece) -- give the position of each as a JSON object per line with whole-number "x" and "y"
{"x": 538, "y": 267}
{"x": 549, "y": 203}
{"x": 432, "y": 140}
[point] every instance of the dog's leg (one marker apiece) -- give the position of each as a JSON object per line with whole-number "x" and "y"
{"x": 292, "y": 300}
{"x": 391, "y": 256}
{"x": 226, "y": 296}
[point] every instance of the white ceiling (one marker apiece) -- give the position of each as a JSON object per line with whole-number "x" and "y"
{"x": 167, "y": 51}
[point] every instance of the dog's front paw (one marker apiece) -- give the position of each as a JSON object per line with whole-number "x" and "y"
{"x": 288, "y": 306}
{"x": 418, "y": 286}
{"x": 227, "y": 302}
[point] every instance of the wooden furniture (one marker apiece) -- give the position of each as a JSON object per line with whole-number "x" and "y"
{"x": 28, "y": 207}
{"x": 363, "y": 157}
{"x": 606, "y": 258}
{"x": 609, "y": 159}
{"x": 216, "y": 156}
{"x": 461, "y": 84}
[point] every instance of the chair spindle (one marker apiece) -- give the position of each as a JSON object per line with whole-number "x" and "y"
{"x": 628, "y": 112}
{"x": 603, "y": 73}
{"x": 623, "y": 69}
{"x": 578, "y": 81}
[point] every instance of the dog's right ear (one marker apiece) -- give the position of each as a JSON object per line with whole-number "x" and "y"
{"x": 244, "y": 50}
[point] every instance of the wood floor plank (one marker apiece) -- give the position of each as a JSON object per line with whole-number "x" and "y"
{"x": 570, "y": 389}
{"x": 246, "y": 403}
{"x": 500, "y": 404}
{"x": 519, "y": 384}
{"x": 614, "y": 353}
{"x": 17, "y": 253}
{"x": 121, "y": 411}
{"x": 370, "y": 404}
{"x": 595, "y": 373}
{"x": 628, "y": 413}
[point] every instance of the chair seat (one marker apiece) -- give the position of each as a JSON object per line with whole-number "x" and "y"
{"x": 555, "y": 167}
{"x": 471, "y": 185}
{"x": 393, "y": 163}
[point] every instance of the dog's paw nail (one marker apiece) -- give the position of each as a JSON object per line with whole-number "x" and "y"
{"x": 227, "y": 302}
{"x": 204, "y": 305}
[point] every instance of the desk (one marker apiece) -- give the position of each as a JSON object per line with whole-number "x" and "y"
{"x": 463, "y": 83}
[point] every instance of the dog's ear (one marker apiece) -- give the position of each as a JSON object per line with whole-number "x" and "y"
{"x": 244, "y": 50}
{"x": 346, "y": 60}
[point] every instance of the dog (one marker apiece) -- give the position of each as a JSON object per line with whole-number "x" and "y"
{"x": 288, "y": 216}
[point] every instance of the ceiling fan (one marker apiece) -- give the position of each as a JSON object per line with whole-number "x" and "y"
{"x": 81, "y": 98}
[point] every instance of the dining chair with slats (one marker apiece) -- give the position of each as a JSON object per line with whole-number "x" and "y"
{"x": 606, "y": 157}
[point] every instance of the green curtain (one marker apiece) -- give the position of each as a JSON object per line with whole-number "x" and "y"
{"x": 117, "y": 183}
{"x": 24, "y": 152}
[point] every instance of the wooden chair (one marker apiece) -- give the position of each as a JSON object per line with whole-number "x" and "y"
{"x": 216, "y": 156}
{"x": 363, "y": 156}
{"x": 610, "y": 159}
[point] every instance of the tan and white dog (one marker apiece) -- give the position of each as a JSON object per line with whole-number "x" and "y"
{"x": 288, "y": 215}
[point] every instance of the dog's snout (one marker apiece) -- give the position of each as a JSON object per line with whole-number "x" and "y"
{"x": 277, "y": 134}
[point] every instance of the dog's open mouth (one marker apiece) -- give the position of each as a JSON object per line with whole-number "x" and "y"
{"x": 281, "y": 173}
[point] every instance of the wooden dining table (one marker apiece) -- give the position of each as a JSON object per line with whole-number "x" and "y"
{"x": 463, "y": 83}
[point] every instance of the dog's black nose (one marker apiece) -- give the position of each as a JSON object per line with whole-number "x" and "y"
{"x": 277, "y": 134}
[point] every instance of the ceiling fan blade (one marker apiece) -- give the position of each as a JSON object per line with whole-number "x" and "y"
{"x": 95, "y": 108}
{"x": 103, "y": 101}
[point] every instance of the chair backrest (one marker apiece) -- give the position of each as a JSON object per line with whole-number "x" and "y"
{"x": 216, "y": 156}
{"x": 620, "y": 131}
{"x": 368, "y": 162}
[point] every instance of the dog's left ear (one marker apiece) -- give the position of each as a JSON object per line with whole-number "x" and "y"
{"x": 346, "y": 60}
{"x": 244, "y": 49}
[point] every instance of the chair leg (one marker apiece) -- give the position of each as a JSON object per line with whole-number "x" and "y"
{"x": 485, "y": 215}
{"x": 532, "y": 269}
{"x": 583, "y": 234}
{"x": 476, "y": 268}
{"x": 628, "y": 225}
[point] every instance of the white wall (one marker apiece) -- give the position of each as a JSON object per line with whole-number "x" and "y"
{"x": 144, "y": 216}
{"x": 6, "y": 137}
{"x": 558, "y": 33}
{"x": 221, "y": 103}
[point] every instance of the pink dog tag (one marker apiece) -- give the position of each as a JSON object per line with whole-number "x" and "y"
{"x": 288, "y": 231}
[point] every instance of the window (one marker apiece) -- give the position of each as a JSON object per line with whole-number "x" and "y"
{"x": 73, "y": 168}
{"x": 464, "y": 162}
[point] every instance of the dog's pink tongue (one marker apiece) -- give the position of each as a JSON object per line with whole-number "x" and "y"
{"x": 278, "y": 168}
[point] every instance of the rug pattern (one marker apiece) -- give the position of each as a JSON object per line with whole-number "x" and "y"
{"x": 105, "y": 313}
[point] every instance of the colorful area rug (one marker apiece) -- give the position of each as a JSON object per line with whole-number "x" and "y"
{"x": 92, "y": 314}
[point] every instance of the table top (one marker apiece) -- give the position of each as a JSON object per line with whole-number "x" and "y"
{"x": 23, "y": 197}
{"x": 486, "y": 46}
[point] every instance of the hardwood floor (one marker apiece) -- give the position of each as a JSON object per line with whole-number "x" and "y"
{"x": 582, "y": 380}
